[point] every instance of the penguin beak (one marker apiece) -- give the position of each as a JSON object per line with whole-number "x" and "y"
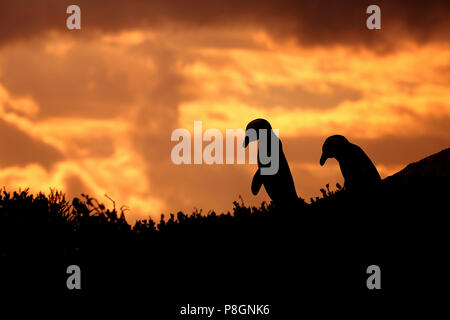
{"x": 246, "y": 141}
{"x": 323, "y": 158}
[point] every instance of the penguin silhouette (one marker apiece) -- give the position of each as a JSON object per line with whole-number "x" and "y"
{"x": 279, "y": 186}
{"x": 356, "y": 167}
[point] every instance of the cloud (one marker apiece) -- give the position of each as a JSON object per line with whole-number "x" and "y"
{"x": 308, "y": 22}
{"x": 107, "y": 98}
{"x": 299, "y": 97}
{"x": 18, "y": 148}
{"x": 68, "y": 84}
{"x": 75, "y": 186}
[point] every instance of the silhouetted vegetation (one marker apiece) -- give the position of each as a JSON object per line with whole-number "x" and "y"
{"x": 317, "y": 247}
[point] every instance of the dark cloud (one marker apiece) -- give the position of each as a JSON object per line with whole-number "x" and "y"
{"x": 317, "y": 22}
{"x": 19, "y": 149}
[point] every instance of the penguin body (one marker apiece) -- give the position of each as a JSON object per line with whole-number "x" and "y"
{"x": 279, "y": 186}
{"x": 356, "y": 167}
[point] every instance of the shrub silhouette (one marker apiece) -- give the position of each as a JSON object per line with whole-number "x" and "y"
{"x": 248, "y": 251}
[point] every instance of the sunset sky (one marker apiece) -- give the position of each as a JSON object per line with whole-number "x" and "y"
{"x": 92, "y": 110}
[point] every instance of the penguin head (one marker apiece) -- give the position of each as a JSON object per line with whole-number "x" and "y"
{"x": 332, "y": 147}
{"x": 256, "y": 125}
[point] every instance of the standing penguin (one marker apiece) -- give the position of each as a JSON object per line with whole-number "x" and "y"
{"x": 279, "y": 186}
{"x": 356, "y": 167}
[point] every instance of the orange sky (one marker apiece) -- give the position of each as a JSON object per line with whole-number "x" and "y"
{"x": 92, "y": 111}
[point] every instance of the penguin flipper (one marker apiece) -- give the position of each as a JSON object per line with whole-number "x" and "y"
{"x": 256, "y": 183}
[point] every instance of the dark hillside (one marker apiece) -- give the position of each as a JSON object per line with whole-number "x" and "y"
{"x": 436, "y": 165}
